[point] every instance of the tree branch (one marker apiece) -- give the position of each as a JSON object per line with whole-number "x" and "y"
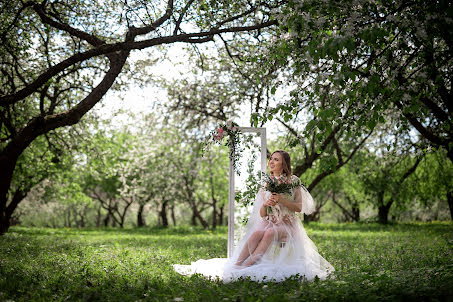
{"x": 135, "y": 31}
{"x": 181, "y": 16}
{"x": 324, "y": 174}
{"x": 40, "y": 125}
{"x": 93, "y": 40}
{"x": 110, "y": 48}
{"x": 300, "y": 169}
{"x": 426, "y": 132}
{"x": 338, "y": 150}
{"x": 16, "y": 17}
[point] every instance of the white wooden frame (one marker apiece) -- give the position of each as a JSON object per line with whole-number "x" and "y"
{"x": 231, "y": 191}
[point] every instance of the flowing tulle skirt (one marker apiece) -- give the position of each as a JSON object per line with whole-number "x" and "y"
{"x": 296, "y": 256}
{"x": 290, "y": 252}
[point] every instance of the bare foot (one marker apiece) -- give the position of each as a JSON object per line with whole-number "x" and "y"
{"x": 252, "y": 260}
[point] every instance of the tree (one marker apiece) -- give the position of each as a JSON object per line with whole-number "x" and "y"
{"x": 69, "y": 54}
{"x": 329, "y": 142}
{"x": 346, "y": 192}
{"x": 375, "y": 58}
{"x": 434, "y": 179}
{"x": 385, "y": 169}
{"x": 104, "y": 177}
{"x": 46, "y": 156}
{"x": 212, "y": 182}
{"x": 65, "y": 189}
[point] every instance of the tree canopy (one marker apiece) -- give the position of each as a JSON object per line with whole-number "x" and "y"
{"x": 372, "y": 59}
{"x": 58, "y": 59}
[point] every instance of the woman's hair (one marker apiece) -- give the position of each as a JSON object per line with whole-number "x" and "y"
{"x": 286, "y": 162}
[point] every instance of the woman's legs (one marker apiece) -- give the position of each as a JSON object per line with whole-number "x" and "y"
{"x": 282, "y": 232}
{"x": 262, "y": 247}
{"x": 250, "y": 246}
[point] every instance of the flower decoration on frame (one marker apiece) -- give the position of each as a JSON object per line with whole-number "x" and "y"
{"x": 230, "y": 131}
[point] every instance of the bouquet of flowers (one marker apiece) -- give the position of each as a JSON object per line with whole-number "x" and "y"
{"x": 279, "y": 185}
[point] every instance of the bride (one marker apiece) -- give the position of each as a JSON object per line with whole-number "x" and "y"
{"x": 275, "y": 245}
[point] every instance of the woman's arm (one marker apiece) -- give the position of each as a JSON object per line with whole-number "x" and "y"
{"x": 268, "y": 203}
{"x": 263, "y": 211}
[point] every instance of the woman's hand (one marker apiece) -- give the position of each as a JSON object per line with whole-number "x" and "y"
{"x": 273, "y": 200}
{"x": 270, "y": 202}
{"x": 277, "y": 198}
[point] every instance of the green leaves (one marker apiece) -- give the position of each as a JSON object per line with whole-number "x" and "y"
{"x": 371, "y": 124}
{"x": 311, "y": 124}
{"x": 376, "y": 57}
{"x": 273, "y": 89}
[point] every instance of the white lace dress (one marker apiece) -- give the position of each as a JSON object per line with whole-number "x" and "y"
{"x": 291, "y": 252}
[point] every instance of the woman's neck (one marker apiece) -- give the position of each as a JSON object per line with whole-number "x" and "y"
{"x": 278, "y": 174}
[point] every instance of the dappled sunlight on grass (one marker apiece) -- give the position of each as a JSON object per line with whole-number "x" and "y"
{"x": 372, "y": 262}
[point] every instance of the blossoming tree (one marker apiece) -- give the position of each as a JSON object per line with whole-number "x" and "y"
{"x": 60, "y": 58}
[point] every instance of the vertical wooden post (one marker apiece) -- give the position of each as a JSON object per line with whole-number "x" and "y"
{"x": 231, "y": 196}
{"x": 231, "y": 191}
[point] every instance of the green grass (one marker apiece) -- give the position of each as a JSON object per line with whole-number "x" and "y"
{"x": 373, "y": 263}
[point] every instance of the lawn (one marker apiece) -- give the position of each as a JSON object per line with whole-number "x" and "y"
{"x": 397, "y": 262}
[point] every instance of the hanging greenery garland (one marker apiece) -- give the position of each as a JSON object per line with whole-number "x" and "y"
{"x": 230, "y": 131}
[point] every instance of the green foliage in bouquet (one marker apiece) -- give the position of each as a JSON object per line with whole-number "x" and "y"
{"x": 279, "y": 185}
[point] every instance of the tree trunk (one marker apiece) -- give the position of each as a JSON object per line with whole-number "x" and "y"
{"x": 196, "y": 215}
{"x": 7, "y": 165}
{"x": 81, "y": 215}
{"x": 6, "y": 213}
{"x": 107, "y": 219}
{"x": 173, "y": 217}
{"x": 315, "y": 216}
{"x": 220, "y": 218}
{"x": 450, "y": 203}
{"x": 82, "y": 220}
{"x": 214, "y": 204}
{"x": 355, "y": 211}
{"x": 203, "y": 222}
{"x": 4, "y": 222}
{"x": 69, "y": 218}
{"x": 163, "y": 214}
{"x": 140, "y": 219}
{"x": 193, "y": 220}
{"x": 41, "y": 125}
{"x": 383, "y": 212}
{"x": 383, "y": 209}
{"x": 214, "y": 213}
{"x": 98, "y": 217}
{"x": 347, "y": 215}
{"x": 122, "y": 216}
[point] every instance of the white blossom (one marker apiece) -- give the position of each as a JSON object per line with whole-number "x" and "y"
{"x": 392, "y": 18}
{"x": 421, "y": 33}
